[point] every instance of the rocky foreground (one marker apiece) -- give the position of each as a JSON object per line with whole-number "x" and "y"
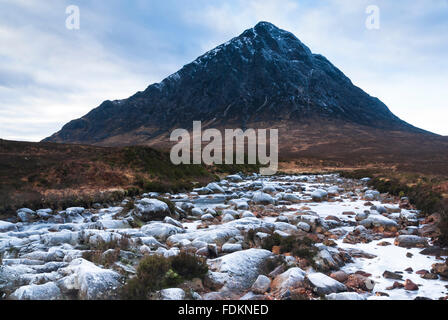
{"x": 362, "y": 244}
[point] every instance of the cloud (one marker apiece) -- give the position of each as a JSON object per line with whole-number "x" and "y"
{"x": 50, "y": 75}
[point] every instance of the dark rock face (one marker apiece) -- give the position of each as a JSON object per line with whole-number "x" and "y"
{"x": 264, "y": 75}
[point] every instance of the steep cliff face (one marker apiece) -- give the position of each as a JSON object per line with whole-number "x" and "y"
{"x": 265, "y": 75}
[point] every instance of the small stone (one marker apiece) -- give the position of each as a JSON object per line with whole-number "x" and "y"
{"x": 410, "y": 286}
{"x": 396, "y": 285}
{"x": 261, "y": 285}
{"x": 392, "y": 275}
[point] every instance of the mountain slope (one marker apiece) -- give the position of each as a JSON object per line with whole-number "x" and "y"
{"x": 265, "y": 75}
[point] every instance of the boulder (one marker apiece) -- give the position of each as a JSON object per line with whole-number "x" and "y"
{"x": 234, "y": 178}
{"x": 90, "y": 281}
{"x": 172, "y": 221}
{"x": 227, "y": 218}
{"x": 241, "y": 268}
{"x": 411, "y": 241}
{"x": 323, "y": 284}
{"x": 217, "y": 235}
{"x": 304, "y": 226}
{"x": 7, "y": 226}
{"x": 47, "y": 291}
{"x": 340, "y": 276}
{"x": 58, "y": 238}
{"x": 240, "y": 204}
{"x": 319, "y": 195}
{"x": 172, "y": 294}
{"x": 74, "y": 211}
{"x": 161, "y": 231}
{"x": 215, "y": 187}
{"x": 262, "y": 198}
{"x": 261, "y": 285}
{"x": 345, "y": 296}
{"x": 290, "y": 279}
{"x": 291, "y": 197}
{"x": 207, "y": 217}
{"x": 231, "y": 247}
{"x": 151, "y": 209}
{"x": 376, "y": 220}
{"x": 26, "y": 215}
{"x": 392, "y": 275}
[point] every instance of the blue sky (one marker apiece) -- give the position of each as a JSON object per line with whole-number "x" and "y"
{"x": 50, "y": 75}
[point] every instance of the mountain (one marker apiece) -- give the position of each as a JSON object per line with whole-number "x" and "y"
{"x": 264, "y": 78}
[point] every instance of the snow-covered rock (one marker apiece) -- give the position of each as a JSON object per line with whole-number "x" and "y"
{"x": 379, "y": 221}
{"x": 319, "y": 194}
{"x": 323, "y": 284}
{"x": 151, "y": 209}
{"x": 345, "y": 296}
{"x": 290, "y": 279}
{"x": 7, "y": 226}
{"x": 172, "y": 294}
{"x": 47, "y": 291}
{"x": 261, "y": 285}
{"x": 262, "y": 198}
{"x": 411, "y": 241}
{"x": 231, "y": 247}
{"x": 234, "y": 178}
{"x": 161, "y": 231}
{"x": 241, "y": 268}
{"x": 91, "y": 281}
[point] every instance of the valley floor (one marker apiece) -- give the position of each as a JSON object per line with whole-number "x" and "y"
{"x": 364, "y": 245}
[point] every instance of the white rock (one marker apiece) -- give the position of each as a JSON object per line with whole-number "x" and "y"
{"x": 319, "y": 194}
{"x": 261, "y": 285}
{"x": 150, "y": 209}
{"x": 47, "y": 291}
{"x": 172, "y": 294}
{"x": 7, "y": 226}
{"x": 113, "y": 224}
{"x": 323, "y": 284}
{"x": 161, "y": 231}
{"x": 227, "y": 218}
{"x": 262, "y": 198}
{"x": 285, "y": 227}
{"x": 345, "y": 296}
{"x": 207, "y": 217}
{"x": 234, "y": 178}
{"x": 378, "y": 221}
{"x": 231, "y": 247}
{"x": 242, "y": 268}
{"x": 304, "y": 226}
{"x": 74, "y": 211}
{"x": 197, "y": 212}
{"x": 215, "y": 187}
{"x": 92, "y": 282}
{"x": 26, "y": 215}
{"x": 173, "y": 222}
{"x": 290, "y": 279}
{"x": 247, "y": 214}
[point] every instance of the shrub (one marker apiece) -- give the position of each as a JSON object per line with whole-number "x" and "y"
{"x": 189, "y": 266}
{"x": 271, "y": 241}
{"x": 150, "y": 277}
{"x": 157, "y": 272}
{"x": 299, "y": 247}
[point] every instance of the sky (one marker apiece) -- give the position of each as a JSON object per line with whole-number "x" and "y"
{"x": 50, "y": 74}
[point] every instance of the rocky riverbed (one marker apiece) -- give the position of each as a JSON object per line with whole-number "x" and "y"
{"x": 365, "y": 245}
